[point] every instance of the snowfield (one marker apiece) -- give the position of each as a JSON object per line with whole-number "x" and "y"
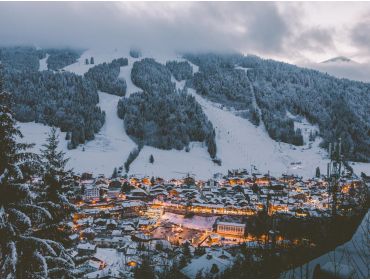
{"x": 195, "y": 222}
{"x": 239, "y": 143}
{"x": 109, "y": 149}
{"x": 43, "y": 65}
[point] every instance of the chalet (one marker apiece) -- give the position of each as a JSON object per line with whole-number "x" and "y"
{"x": 133, "y": 207}
{"x": 213, "y": 258}
{"x": 114, "y": 193}
{"x": 138, "y": 194}
{"x": 115, "y": 184}
{"x": 92, "y": 192}
{"x": 86, "y": 248}
{"x": 90, "y": 266}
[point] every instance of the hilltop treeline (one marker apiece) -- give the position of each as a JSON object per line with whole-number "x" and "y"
{"x": 105, "y": 76}
{"x": 338, "y": 106}
{"x": 21, "y": 58}
{"x": 161, "y": 116}
{"x": 180, "y": 70}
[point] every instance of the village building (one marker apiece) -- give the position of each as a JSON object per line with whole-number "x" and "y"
{"x": 230, "y": 228}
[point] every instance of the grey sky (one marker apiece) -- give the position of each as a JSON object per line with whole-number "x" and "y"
{"x": 294, "y": 32}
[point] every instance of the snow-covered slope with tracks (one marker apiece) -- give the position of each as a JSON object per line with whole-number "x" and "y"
{"x": 239, "y": 143}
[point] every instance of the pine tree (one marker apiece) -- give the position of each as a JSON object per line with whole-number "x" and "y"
{"x": 199, "y": 274}
{"x": 318, "y": 174}
{"x": 92, "y": 60}
{"x": 151, "y": 159}
{"x": 214, "y": 269}
{"x": 68, "y": 136}
{"x": 22, "y": 255}
{"x": 115, "y": 173}
{"x": 144, "y": 271}
{"x": 57, "y": 186}
{"x": 53, "y": 195}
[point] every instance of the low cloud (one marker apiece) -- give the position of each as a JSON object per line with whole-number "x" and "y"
{"x": 271, "y": 29}
{"x": 181, "y": 26}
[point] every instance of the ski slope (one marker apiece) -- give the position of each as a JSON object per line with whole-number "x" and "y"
{"x": 239, "y": 143}
{"x": 109, "y": 149}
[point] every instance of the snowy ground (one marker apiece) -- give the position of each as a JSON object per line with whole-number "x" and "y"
{"x": 239, "y": 143}
{"x": 195, "y": 222}
{"x": 43, "y": 65}
{"x": 109, "y": 149}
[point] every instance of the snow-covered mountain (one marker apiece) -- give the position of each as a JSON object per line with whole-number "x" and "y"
{"x": 240, "y": 144}
{"x": 343, "y": 67}
{"x": 338, "y": 59}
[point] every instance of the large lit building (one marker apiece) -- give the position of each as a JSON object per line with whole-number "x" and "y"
{"x": 230, "y": 228}
{"x": 92, "y": 192}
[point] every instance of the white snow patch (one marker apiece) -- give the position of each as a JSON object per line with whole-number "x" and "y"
{"x": 179, "y": 84}
{"x": 80, "y": 68}
{"x": 174, "y": 163}
{"x": 195, "y": 222}
{"x": 43, "y": 65}
{"x": 126, "y": 74}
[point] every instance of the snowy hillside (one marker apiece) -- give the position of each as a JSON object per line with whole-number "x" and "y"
{"x": 109, "y": 149}
{"x": 239, "y": 143}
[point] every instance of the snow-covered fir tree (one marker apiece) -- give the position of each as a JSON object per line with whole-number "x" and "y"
{"x": 55, "y": 190}
{"x": 22, "y": 254}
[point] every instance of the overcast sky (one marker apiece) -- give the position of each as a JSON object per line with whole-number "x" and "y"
{"x": 289, "y": 31}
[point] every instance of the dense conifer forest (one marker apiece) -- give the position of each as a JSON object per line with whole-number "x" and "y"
{"x": 180, "y": 70}
{"x": 162, "y": 116}
{"x": 105, "y": 76}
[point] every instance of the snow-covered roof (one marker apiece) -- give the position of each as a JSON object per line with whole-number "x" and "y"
{"x": 133, "y": 203}
{"x": 86, "y": 246}
{"x": 230, "y": 224}
{"x": 221, "y": 259}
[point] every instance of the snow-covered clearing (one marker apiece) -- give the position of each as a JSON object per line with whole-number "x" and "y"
{"x": 43, "y": 65}
{"x": 195, "y": 222}
{"x": 241, "y": 144}
{"x": 81, "y": 68}
{"x": 109, "y": 149}
{"x": 125, "y": 72}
